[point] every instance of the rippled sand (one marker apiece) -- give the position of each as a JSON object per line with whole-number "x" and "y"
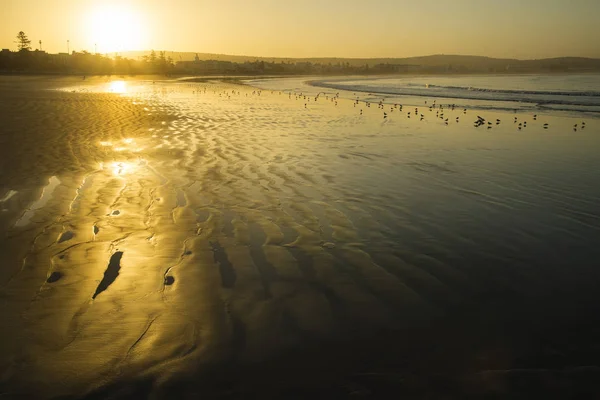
{"x": 209, "y": 237}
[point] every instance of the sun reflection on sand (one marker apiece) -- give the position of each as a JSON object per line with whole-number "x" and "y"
{"x": 121, "y": 168}
{"x": 129, "y": 144}
{"x": 117, "y": 87}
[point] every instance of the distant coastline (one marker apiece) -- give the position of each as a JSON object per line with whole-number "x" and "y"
{"x": 202, "y": 64}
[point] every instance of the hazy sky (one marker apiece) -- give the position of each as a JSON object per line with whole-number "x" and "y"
{"x": 311, "y": 28}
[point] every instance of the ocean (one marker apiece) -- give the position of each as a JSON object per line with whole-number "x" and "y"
{"x": 536, "y": 93}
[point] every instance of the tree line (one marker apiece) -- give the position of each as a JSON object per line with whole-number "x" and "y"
{"x": 26, "y": 60}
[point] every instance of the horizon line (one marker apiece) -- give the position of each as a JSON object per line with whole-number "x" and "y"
{"x": 358, "y": 58}
{"x": 318, "y": 57}
{"x": 341, "y": 57}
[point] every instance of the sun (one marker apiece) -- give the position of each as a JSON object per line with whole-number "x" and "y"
{"x": 114, "y": 28}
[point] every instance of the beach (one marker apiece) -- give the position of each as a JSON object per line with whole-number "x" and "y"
{"x": 163, "y": 238}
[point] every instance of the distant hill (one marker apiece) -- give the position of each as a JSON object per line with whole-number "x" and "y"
{"x": 439, "y": 62}
{"x": 206, "y": 64}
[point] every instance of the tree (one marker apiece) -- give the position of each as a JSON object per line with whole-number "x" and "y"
{"x": 163, "y": 63}
{"x": 23, "y": 42}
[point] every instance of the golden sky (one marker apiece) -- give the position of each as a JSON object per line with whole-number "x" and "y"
{"x": 311, "y": 28}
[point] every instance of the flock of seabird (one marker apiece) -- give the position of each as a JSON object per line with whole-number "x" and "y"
{"x": 398, "y": 108}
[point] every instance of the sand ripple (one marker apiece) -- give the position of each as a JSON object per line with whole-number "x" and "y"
{"x": 179, "y": 226}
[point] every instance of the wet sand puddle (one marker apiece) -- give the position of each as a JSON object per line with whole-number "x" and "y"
{"x": 240, "y": 223}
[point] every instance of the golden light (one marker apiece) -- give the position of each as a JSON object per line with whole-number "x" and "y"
{"x": 117, "y": 87}
{"x": 121, "y": 168}
{"x": 115, "y": 28}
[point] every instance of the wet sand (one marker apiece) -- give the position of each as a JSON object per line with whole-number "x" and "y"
{"x": 170, "y": 238}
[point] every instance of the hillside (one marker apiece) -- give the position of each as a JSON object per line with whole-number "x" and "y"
{"x": 454, "y": 63}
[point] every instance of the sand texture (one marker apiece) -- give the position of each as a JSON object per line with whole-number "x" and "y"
{"x": 187, "y": 237}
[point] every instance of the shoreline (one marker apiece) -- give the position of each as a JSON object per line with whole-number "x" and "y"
{"x": 413, "y": 99}
{"x": 267, "y": 76}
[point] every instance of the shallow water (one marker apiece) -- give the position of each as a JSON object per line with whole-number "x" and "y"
{"x": 574, "y": 94}
{"x": 40, "y": 203}
{"x": 173, "y": 227}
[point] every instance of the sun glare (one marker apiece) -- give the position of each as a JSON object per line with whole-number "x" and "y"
{"x": 119, "y": 87}
{"x": 116, "y": 28}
